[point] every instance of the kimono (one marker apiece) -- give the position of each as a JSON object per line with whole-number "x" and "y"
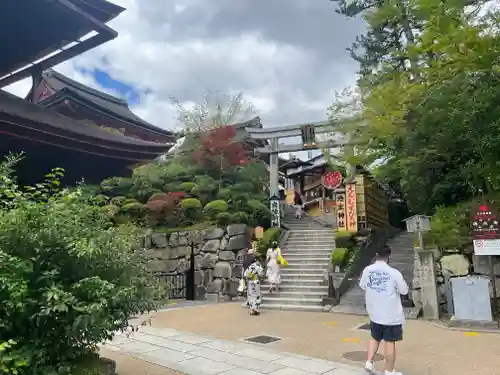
{"x": 254, "y": 296}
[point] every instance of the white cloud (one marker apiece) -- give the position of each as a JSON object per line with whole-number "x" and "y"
{"x": 183, "y": 47}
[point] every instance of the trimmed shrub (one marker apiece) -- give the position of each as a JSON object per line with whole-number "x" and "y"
{"x": 116, "y": 186}
{"x": 240, "y": 218}
{"x": 130, "y": 200}
{"x": 133, "y": 208}
{"x": 269, "y": 236}
{"x": 110, "y": 210}
{"x": 340, "y": 256}
{"x": 223, "y": 218}
{"x": 187, "y": 186}
{"x": 190, "y": 209}
{"x": 118, "y": 201}
{"x": 259, "y": 213}
{"x": 213, "y": 208}
{"x": 224, "y": 194}
{"x": 190, "y": 204}
{"x": 345, "y": 239}
{"x": 159, "y": 197}
{"x": 101, "y": 199}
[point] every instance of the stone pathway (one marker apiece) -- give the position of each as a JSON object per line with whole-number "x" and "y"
{"x": 194, "y": 354}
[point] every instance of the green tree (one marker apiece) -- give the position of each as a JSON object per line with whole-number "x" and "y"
{"x": 434, "y": 127}
{"x": 68, "y": 278}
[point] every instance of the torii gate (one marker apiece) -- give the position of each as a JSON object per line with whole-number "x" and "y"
{"x": 308, "y": 133}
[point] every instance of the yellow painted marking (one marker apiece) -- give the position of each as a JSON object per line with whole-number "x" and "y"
{"x": 330, "y": 323}
{"x": 351, "y": 340}
{"x": 470, "y": 334}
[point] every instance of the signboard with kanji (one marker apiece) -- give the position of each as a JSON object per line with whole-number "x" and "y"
{"x": 351, "y": 208}
{"x": 485, "y": 223}
{"x": 332, "y": 180}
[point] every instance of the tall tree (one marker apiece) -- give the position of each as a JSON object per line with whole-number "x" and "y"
{"x": 435, "y": 126}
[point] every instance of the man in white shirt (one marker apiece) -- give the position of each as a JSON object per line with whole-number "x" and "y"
{"x": 383, "y": 286}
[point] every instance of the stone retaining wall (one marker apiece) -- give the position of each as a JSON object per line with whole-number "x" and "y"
{"x": 218, "y": 257}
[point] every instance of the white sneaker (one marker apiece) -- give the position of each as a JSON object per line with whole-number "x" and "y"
{"x": 394, "y": 372}
{"x": 370, "y": 367}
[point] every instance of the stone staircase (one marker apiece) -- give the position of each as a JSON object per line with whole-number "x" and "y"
{"x": 402, "y": 258}
{"x": 303, "y": 282}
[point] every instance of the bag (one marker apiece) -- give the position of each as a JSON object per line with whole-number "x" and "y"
{"x": 241, "y": 286}
{"x": 281, "y": 261}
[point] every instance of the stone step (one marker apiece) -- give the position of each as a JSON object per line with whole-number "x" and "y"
{"x": 305, "y": 257}
{"x": 320, "y": 253}
{"x": 318, "y": 281}
{"x": 305, "y": 262}
{"x": 313, "y": 308}
{"x": 302, "y": 277}
{"x": 299, "y": 271}
{"x": 304, "y": 289}
{"x": 280, "y": 300}
{"x": 304, "y": 267}
{"x": 299, "y": 295}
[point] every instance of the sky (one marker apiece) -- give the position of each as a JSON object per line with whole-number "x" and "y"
{"x": 286, "y": 56}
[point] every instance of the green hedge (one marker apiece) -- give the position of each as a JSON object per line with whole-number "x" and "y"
{"x": 339, "y": 256}
{"x": 345, "y": 239}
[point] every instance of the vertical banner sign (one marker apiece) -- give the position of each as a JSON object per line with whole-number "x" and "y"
{"x": 352, "y": 214}
{"x": 341, "y": 222}
{"x": 485, "y": 230}
{"x": 275, "y": 212}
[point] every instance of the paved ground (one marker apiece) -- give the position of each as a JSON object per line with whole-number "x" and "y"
{"x": 426, "y": 350}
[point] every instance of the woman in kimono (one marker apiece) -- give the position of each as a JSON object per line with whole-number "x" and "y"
{"x": 254, "y": 296}
{"x": 273, "y": 267}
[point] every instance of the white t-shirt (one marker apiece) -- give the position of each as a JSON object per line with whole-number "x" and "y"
{"x": 383, "y": 286}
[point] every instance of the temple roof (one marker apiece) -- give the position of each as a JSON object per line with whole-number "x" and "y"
{"x": 67, "y": 88}
{"x": 44, "y": 33}
{"x": 27, "y": 114}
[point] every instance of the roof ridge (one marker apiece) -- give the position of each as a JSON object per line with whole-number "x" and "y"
{"x": 87, "y": 89}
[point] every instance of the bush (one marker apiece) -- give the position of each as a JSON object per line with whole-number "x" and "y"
{"x": 224, "y": 194}
{"x": 240, "y": 218}
{"x": 68, "y": 280}
{"x": 450, "y": 228}
{"x": 223, "y": 218}
{"x": 339, "y": 256}
{"x": 187, "y": 186}
{"x": 118, "y": 201}
{"x": 345, "y": 240}
{"x": 213, "y": 208}
{"x": 159, "y": 197}
{"x": 190, "y": 210}
{"x": 101, "y": 199}
{"x": 259, "y": 213}
{"x": 117, "y": 186}
{"x": 110, "y": 210}
{"x": 134, "y": 209}
{"x": 269, "y": 236}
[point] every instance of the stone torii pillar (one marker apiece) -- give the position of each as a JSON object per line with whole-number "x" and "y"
{"x": 306, "y": 131}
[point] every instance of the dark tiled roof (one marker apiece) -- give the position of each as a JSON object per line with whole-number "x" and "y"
{"x": 66, "y": 87}
{"x": 34, "y": 29}
{"x": 21, "y": 109}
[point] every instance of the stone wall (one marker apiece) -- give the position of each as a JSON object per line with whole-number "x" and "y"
{"x": 218, "y": 257}
{"x": 453, "y": 264}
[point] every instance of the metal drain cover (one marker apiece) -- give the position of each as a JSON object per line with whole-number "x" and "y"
{"x": 263, "y": 339}
{"x": 361, "y": 356}
{"x": 365, "y": 326}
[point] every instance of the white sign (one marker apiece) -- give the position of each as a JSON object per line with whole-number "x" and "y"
{"x": 487, "y": 247}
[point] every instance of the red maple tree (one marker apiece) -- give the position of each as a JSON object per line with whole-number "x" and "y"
{"x": 220, "y": 149}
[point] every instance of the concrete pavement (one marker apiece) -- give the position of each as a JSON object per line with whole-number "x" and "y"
{"x": 194, "y": 354}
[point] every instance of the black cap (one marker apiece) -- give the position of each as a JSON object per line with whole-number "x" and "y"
{"x": 384, "y": 252}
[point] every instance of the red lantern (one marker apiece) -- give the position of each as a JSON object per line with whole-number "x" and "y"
{"x": 332, "y": 180}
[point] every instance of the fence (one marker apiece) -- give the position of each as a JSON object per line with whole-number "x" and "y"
{"x": 177, "y": 285}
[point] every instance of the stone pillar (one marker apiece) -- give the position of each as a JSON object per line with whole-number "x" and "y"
{"x": 274, "y": 168}
{"x": 429, "y": 296}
